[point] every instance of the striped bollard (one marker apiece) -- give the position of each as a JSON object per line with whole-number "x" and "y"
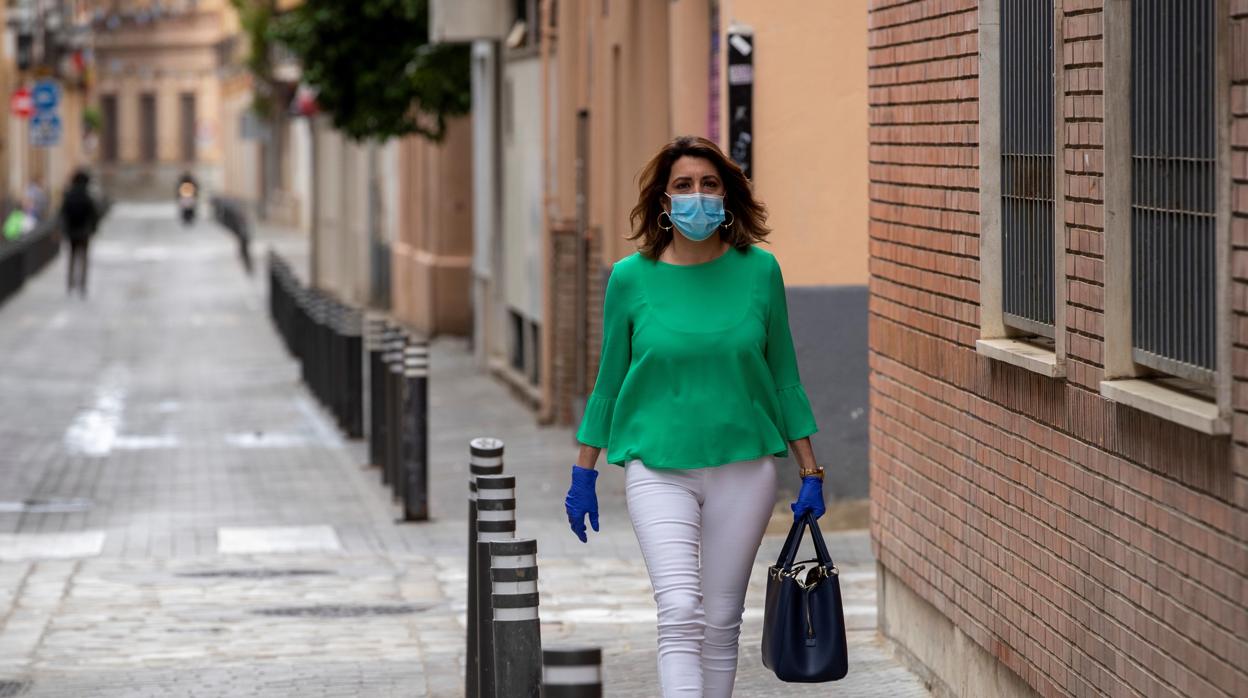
{"x": 496, "y": 521}
{"x": 572, "y": 672}
{"x": 485, "y": 457}
{"x": 414, "y": 467}
{"x": 517, "y": 632}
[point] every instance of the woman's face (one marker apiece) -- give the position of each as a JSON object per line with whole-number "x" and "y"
{"x": 693, "y": 175}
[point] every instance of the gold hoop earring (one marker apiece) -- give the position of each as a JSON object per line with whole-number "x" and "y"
{"x": 731, "y": 219}
{"x": 669, "y": 220}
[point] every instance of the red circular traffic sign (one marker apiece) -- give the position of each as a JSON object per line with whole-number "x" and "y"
{"x": 21, "y": 103}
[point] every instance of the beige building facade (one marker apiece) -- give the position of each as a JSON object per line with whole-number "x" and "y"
{"x": 159, "y": 93}
{"x": 431, "y": 251}
{"x": 642, "y": 75}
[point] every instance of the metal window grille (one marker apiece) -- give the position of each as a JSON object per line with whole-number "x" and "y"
{"x": 1027, "y": 164}
{"x": 1173, "y": 300}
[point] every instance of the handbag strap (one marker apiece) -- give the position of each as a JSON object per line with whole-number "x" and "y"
{"x": 788, "y": 552}
{"x": 821, "y": 548}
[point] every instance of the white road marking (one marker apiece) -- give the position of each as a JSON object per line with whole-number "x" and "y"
{"x": 276, "y": 539}
{"x": 50, "y": 546}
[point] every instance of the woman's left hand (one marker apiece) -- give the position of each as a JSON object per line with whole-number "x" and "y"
{"x": 809, "y": 499}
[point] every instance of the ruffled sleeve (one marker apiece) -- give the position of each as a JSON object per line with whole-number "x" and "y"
{"x": 596, "y": 424}
{"x": 595, "y": 427}
{"x": 799, "y": 419}
{"x": 795, "y": 412}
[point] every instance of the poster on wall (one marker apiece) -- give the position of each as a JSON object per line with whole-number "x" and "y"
{"x": 741, "y": 96}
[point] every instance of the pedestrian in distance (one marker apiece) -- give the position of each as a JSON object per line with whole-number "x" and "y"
{"x": 697, "y": 392}
{"x": 79, "y": 217}
{"x": 35, "y": 201}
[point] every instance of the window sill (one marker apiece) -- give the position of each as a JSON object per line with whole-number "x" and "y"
{"x": 1022, "y": 354}
{"x": 1169, "y": 404}
{"x": 517, "y": 381}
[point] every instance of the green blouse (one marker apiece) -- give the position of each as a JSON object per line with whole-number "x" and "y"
{"x": 698, "y": 367}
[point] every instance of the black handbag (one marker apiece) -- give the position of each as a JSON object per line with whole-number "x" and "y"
{"x": 804, "y": 622}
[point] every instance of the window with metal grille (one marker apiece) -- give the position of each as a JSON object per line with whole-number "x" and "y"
{"x": 1173, "y": 163}
{"x": 1027, "y": 249}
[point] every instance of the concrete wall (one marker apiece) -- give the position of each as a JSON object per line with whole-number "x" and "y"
{"x": 829, "y": 325}
{"x": 947, "y": 660}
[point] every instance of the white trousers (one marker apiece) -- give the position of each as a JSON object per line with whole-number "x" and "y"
{"x": 699, "y": 532}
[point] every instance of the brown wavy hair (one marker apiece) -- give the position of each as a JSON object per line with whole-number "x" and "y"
{"x": 749, "y": 216}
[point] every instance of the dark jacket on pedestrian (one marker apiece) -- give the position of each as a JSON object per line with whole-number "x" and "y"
{"x": 78, "y": 210}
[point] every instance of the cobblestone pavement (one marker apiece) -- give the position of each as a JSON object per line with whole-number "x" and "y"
{"x": 179, "y": 518}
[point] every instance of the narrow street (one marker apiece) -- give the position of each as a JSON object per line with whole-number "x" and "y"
{"x": 179, "y": 518}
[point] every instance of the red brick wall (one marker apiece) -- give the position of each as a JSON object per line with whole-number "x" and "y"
{"x": 1092, "y": 548}
{"x": 563, "y": 320}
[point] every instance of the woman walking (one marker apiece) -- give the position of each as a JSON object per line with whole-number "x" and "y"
{"x": 697, "y": 391}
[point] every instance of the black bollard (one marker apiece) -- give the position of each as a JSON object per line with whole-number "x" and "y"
{"x": 517, "y": 631}
{"x": 340, "y": 368}
{"x": 496, "y": 521}
{"x": 394, "y": 388}
{"x": 320, "y": 345}
{"x": 415, "y": 462}
{"x": 333, "y": 361}
{"x": 376, "y": 346}
{"x": 304, "y": 339}
{"x": 353, "y": 373}
{"x": 572, "y": 672}
{"x": 485, "y": 457}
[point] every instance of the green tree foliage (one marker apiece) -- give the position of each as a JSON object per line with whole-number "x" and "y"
{"x": 373, "y": 67}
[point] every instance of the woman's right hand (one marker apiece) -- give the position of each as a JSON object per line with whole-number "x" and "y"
{"x": 582, "y": 500}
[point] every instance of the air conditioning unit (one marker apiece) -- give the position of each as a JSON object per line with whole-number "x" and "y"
{"x": 453, "y": 21}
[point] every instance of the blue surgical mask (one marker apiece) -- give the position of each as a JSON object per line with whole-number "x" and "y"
{"x": 697, "y": 216}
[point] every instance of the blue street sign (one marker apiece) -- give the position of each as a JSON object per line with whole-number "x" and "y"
{"x": 45, "y": 95}
{"x": 45, "y": 130}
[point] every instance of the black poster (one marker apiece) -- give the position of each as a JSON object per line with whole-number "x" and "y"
{"x": 741, "y": 97}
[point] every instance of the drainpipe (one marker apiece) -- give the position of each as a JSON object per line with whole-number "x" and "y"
{"x": 546, "y": 411}
{"x": 315, "y": 227}
{"x": 582, "y": 261}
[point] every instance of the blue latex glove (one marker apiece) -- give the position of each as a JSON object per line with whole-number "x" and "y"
{"x": 582, "y": 500}
{"x": 810, "y": 498}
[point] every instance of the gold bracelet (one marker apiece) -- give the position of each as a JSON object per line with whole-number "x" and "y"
{"x": 817, "y": 472}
